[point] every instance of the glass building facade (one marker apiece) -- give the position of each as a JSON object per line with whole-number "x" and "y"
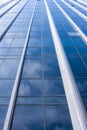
{"x": 43, "y": 65}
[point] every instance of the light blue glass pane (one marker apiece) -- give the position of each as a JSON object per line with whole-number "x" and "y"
{"x": 56, "y": 100}
{"x": 30, "y": 100}
{"x": 53, "y": 87}
{"x": 32, "y": 68}
{"x": 31, "y": 88}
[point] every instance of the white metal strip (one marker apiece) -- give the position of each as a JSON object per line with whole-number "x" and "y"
{"x": 75, "y": 10}
{"x": 83, "y": 36}
{"x": 76, "y": 108}
{"x": 17, "y": 80}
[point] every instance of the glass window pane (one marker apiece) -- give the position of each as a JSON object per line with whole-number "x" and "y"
{"x": 57, "y": 117}
{"x": 3, "y": 110}
{"x": 32, "y": 69}
{"x": 28, "y": 118}
{"x": 51, "y": 68}
{"x": 31, "y": 88}
{"x": 9, "y": 68}
{"x": 6, "y": 87}
{"x": 53, "y": 87}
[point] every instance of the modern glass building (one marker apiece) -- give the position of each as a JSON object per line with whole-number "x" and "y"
{"x": 43, "y": 65}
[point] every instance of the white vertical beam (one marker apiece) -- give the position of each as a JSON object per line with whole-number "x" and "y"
{"x": 11, "y": 107}
{"x": 74, "y": 100}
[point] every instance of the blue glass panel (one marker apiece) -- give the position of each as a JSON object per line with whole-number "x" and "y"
{"x": 3, "y": 51}
{"x": 32, "y": 68}
{"x": 4, "y": 101}
{"x": 34, "y": 42}
{"x": 6, "y": 87}
{"x": 66, "y": 42}
{"x": 9, "y": 68}
{"x": 48, "y": 42}
{"x": 30, "y": 100}
{"x": 5, "y": 42}
{"x": 51, "y": 68}
{"x": 57, "y": 117}
{"x": 53, "y": 87}
{"x": 31, "y": 88}
{"x": 78, "y": 67}
{"x": 34, "y": 51}
{"x": 49, "y": 51}
{"x": 56, "y": 100}
{"x": 82, "y": 85}
{"x": 70, "y": 51}
{"x": 28, "y": 118}
{"x": 3, "y": 110}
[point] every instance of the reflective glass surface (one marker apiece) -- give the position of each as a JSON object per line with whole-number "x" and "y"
{"x": 41, "y": 101}
{"x": 28, "y": 117}
{"x": 3, "y": 110}
{"x": 57, "y": 118}
{"x": 32, "y": 68}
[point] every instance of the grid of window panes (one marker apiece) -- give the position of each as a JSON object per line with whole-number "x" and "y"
{"x": 75, "y": 48}
{"x": 41, "y": 102}
{"x": 11, "y": 47}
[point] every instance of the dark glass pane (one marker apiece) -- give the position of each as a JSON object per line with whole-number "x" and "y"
{"x": 34, "y": 51}
{"x": 3, "y": 51}
{"x": 15, "y": 51}
{"x": 49, "y": 51}
{"x": 6, "y": 87}
{"x": 28, "y": 118}
{"x": 57, "y": 117}
{"x": 82, "y": 85}
{"x": 78, "y": 67}
{"x": 51, "y": 68}
{"x": 48, "y": 42}
{"x": 53, "y": 87}
{"x": 3, "y": 110}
